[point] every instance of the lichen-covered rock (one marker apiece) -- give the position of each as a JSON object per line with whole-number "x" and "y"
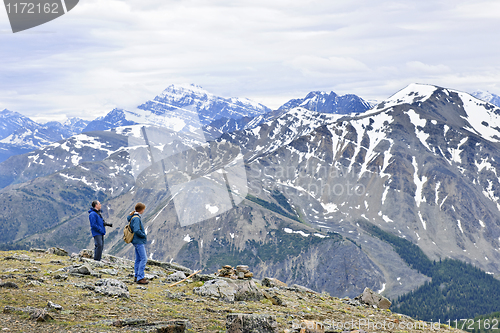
{"x": 246, "y": 290}
{"x": 250, "y": 323}
{"x": 230, "y": 290}
{"x": 83, "y": 270}
{"x": 216, "y": 288}
{"x": 112, "y": 287}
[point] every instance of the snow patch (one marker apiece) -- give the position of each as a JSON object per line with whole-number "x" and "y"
{"x": 419, "y": 183}
{"x": 330, "y": 207}
{"x": 211, "y": 209}
{"x": 300, "y": 232}
{"x": 422, "y": 220}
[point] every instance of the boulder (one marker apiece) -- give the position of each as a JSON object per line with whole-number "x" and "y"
{"x": 37, "y": 250}
{"x": 272, "y": 282}
{"x": 57, "y": 251}
{"x": 246, "y": 290}
{"x": 112, "y": 287}
{"x": 61, "y": 277}
{"x": 250, "y": 323}
{"x": 373, "y": 299}
{"x": 216, "y": 288}
{"x": 20, "y": 257}
{"x": 230, "y": 290}
{"x": 34, "y": 313}
{"x": 9, "y": 285}
{"x": 177, "y": 276}
{"x": 175, "y": 326}
{"x": 51, "y": 305}
{"x": 83, "y": 270}
{"x": 242, "y": 268}
{"x": 86, "y": 253}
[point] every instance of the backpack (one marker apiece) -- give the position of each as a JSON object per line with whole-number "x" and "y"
{"x": 128, "y": 235}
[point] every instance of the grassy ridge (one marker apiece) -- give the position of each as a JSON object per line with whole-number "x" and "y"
{"x": 274, "y": 207}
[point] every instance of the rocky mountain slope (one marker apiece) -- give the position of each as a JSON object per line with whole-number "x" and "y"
{"x": 323, "y": 102}
{"x": 49, "y": 291}
{"x": 421, "y": 165}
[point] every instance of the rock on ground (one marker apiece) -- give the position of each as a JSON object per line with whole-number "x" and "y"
{"x": 371, "y": 298}
{"x": 112, "y": 287}
{"x": 230, "y": 291}
{"x": 250, "y": 323}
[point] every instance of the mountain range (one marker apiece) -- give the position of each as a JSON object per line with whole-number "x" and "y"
{"x": 19, "y": 134}
{"x": 178, "y": 107}
{"x": 421, "y": 165}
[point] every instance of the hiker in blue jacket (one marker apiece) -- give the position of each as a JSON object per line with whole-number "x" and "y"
{"x": 97, "y": 227}
{"x": 139, "y": 240}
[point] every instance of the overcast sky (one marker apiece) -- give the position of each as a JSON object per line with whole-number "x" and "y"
{"x": 110, "y": 53}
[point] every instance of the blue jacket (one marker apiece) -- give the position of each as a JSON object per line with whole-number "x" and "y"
{"x": 140, "y": 236}
{"x": 96, "y": 223}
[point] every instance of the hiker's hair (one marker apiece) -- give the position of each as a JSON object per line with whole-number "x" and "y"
{"x": 94, "y": 203}
{"x": 139, "y": 207}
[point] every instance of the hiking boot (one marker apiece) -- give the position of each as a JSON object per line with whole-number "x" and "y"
{"x": 135, "y": 278}
{"x": 143, "y": 281}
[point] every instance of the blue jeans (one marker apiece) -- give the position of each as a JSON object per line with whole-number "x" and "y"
{"x": 99, "y": 246}
{"x": 140, "y": 261}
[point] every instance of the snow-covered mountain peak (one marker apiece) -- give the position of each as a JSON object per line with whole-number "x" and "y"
{"x": 487, "y": 97}
{"x": 176, "y": 92}
{"x": 5, "y": 113}
{"x": 428, "y": 105}
{"x": 195, "y": 107}
{"x": 323, "y": 102}
{"x": 414, "y": 92}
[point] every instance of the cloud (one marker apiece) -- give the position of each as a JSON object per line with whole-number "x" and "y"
{"x": 311, "y": 65}
{"x": 119, "y": 53}
{"x": 420, "y": 67}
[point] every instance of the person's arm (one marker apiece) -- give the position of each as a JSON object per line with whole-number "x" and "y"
{"x": 93, "y": 221}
